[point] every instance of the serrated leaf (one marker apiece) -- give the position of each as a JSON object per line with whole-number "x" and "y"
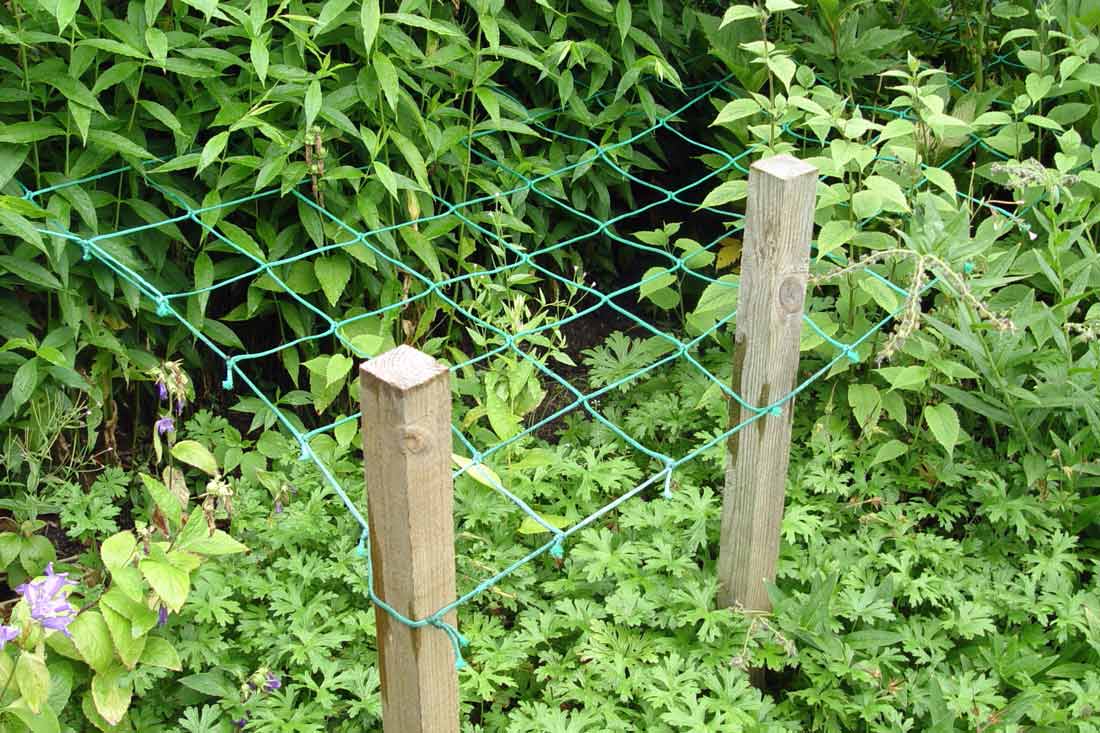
{"x": 888, "y": 451}
{"x": 112, "y": 692}
{"x": 736, "y": 110}
{"x": 169, "y": 582}
{"x": 739, "y": 13}
{"x": 33, "y": 680}
{"x": 127, "y": 646}
{"x": 160, "y": 653}
{"x": 92, "y": 639}
{"x": 118, "y": 550}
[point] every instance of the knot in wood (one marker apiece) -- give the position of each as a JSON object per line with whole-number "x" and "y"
{"x": 792, "y": 291}
{"x": 414, "y": 439}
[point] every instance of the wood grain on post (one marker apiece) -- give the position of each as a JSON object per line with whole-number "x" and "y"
{"x": 774, "y": 268}
{"x": 406, "y": 401}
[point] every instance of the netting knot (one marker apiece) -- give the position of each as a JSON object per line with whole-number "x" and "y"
{"x": 557, "y": 551}
{"x": 666, "y": 492}
{"x": 87, "y": 250}
{"x": 162, "y": 306}
{"x": 227, "y": 383}
{"x": 306, "y": 452}
{"x": 968, "y": 268}
{"x": 852, "y": 354}
{"x": 458, "y": 641}
{"x": 776, "y": 410}
{"x": 361, "y": 547}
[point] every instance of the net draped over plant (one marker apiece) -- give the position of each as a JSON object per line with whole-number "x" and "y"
{"x": 691, "y": 263}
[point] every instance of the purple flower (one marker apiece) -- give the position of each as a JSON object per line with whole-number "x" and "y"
{"x": 241, "y": 722}
{"x": 48, "y": 601}
{"x": 272, "y": 682}
{"x": 165, "y": 425}
{"x": 162, "y": 616}
{"x": 8, "y": 633}
{"x": 179, "y": 407}
{"x": 278, "y": 507}
{"x": 162, "y": 390}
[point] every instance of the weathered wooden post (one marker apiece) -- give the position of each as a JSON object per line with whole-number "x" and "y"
{"x": 774, "y": 268}
{"x": 406, "y": 401}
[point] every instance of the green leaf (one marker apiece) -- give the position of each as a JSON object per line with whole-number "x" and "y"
{"x": 33, "y": 680}
{"x": 942, "y": 180}
{"x": 31, "y": 272}
{"x": 736, "y": 110}
{"x": 44, "y": 721}
{"x": 337, "y": 370}
{"x": 92, "y": 639}
{"x": 888, "y": 451}
{"x": 530, "y": 526}
{"x": 127, "y": 646}
{"x": 196, "y": 454}
{"x": 118, "y": 550}
{"x": 165, "y": 500}
{"x": 160, "y": 653}
{"x": 214, "y": 684}
{"x": 739, "y": 13}
{"x": 333, "y": 273}
{"x": 864, "y": 400}
{"x": 169, "y": 582}
{"x": 112, "y": 691}
{"x": 943, "y": 421}
{"x": 218, "y": 543}
{"x": 726, "y": 193}
{"x": 10, "y": 544}
{"x": 478, "y": 472}
{"x": 75, "y": 91}
{"x": 369, "y": 17}
{"x": 909, "y": 377}
{"x": 157, "y": 43}
{"x": 24, "y": 383}
{"x": 623, "y": 17}
{"x": 312, "y": 102}
{"x": 28, "y": 132}
{"x": 118, "y": 144}
{"x": 65, "y": 12}
{"x": 833, "y": 235}
{"x": 258, "y": 53}
{"x": 214, "y": 147}
{"x": 654, "y": 279}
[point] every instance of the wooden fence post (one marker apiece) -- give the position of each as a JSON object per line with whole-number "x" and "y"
{"x": 406, "y": 401}
{"x": 774, "y": 268}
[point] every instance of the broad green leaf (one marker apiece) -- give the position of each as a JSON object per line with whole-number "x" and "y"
{"x": 623, "y": 17}
{"x": 117, "y": 551}
{"x": 163, "y": 115}
{"x": 169, "y": 582}
{"x": 942, "y": 180}
{"x": 833, "y": 235}
{"x": 337, "y": 370}
{"x": 65, "y": 12}
{"x": 908, "y": 377}
{"x": 888, "y": 451}
{"x": 157, "y": 43}
{"x": 112, "y": 691}
{"x": 32, "y": 679}
{"x": 28, "y": 132}
{"x": 92, "y": 639}
{"x": 726, "y": 193}
{"x": 24, "y": 383}
{"x": 43, "y": 721}
{"x": 75, "y": 91}
{"x": 127, "y": 646}
{"x": 195, "y": 454}
{"x": 736, "y": 110}
{"x": 943, "y": 421}
{"x": 654, "y": 279}
{"x": 333, "y": 272}
{"x": 216, "y": 544}
{"x": 10, "y": 544}
{"x": 864, "y": 400}
{"x": 738, "y": 13}
{"x": 160, "y": 653}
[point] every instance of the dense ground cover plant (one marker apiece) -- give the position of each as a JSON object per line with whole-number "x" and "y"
{"x": 940, "y": 547}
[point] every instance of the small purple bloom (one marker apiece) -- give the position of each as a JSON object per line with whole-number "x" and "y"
{"x": 162, "y": 616}
{"x": 179, "y": 407}
{"x": 272, "y": 682}
{"x": 162, "y": 390}
{"x": 8, "y": 633}
{"x": 241, "y": 722}
{"x": 278, "y": 507}
{"x": 48, "y": 602}
{"x": 165, "y": 425}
